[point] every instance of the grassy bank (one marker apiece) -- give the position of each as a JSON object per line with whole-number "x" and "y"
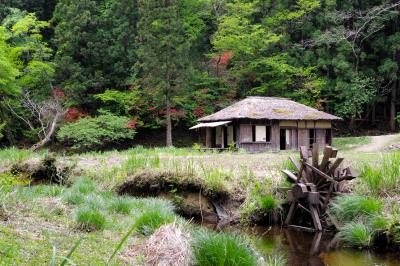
{"x": 43, "y": 220}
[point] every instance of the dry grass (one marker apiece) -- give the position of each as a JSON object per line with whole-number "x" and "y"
{"x": 169, "y": 245}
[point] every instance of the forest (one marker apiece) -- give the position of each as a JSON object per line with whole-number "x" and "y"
{"x": 72, "y": 67}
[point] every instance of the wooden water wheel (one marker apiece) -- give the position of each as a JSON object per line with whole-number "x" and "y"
{"x": 315, "y": 183}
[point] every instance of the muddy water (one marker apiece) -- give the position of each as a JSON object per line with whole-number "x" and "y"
{"x": 311, "y": 249}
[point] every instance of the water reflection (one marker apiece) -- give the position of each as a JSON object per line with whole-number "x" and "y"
{"x": 314, "y": 249}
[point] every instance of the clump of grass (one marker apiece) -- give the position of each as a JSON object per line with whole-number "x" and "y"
{"x": 152, "y": 219}
{"x": 275, "y": 260}
{"x": 13, "y": 155}
{"x": 73, "y": 197}
{"x": 356, "y": 234}
{"x": 31, "y": 192}
{"x": 348, "y": 207}
{"x": 122, "y": 205}
{"x": 210, "y": 248}
{"x": 96, "y": 201}
{"x": 288, "y": 165}
{"x": 383, "y": 178}
{"x": 84, "y": 185}
{"x": 90, "y": 219}
{"x": 267, "y": 203}
{"x": 215, "y": 180}
{"x": 134, "y": 163}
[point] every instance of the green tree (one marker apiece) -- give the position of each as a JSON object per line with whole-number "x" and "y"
{"x": 95, "y": 46}
{"x": 261, "y": 63}
{"x": 163, "y": 52}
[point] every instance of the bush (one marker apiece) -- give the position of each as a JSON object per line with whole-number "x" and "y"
{"x": 90, "y": 219}
{"x": 221, "y": 249}
{"x": 95, "y": 132}
{"x": 356, "y": 234}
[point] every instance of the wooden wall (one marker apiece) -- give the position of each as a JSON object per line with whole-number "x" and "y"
{"x": 297, "y": 134}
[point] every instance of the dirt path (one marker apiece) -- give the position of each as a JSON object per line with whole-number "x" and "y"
{"x": 378, "y": 143}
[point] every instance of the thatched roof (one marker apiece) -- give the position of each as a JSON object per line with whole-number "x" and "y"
{"x": 255, "y": 107}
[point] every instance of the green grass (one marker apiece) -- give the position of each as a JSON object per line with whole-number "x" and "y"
{"x": 345, "y": 143}
{"x": 356, "y": 234}
{"x": 215, "y": 181}
{"x": 211, "y": 248}
{"x": 276, "y": 260}
{"x": 73, "y": 197}
{"x": 90, "y": 219}
{"x": 382, "y": 178}
{"x": 267, "y": 203}
{"x": 349, "y": 207}
{"x": 122, "y": 205}
{"x": 151, "y": 219}
{"x": 9, "y": 156}
{"x": 84, "y": 185}
{"x": 31, "y": 192}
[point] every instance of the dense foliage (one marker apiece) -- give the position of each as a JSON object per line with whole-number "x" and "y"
{"x": 95, "y": 132}
{"x": 163, "y": 63}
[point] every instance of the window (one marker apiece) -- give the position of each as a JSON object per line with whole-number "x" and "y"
{"x": 261, "y": 133}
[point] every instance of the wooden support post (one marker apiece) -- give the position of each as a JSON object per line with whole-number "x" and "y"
{"x": 315, "y": 154}
{"x": 289, "y": 217}
{"x": 325, "y": 159}
{"x": 222, "y": 137}
{"x": 315, "y": 217}
{"x": 335, "y": 165}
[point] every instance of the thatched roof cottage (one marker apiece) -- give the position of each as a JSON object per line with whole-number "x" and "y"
{"x": 266, "y": 123}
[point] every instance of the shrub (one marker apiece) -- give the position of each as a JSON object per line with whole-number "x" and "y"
{"x": 348, "y": 207}
{"x": 90, "y": 219}
{"x": 221, "y": 249}
{"x": 95, "y": 132}
{"x": 152, "y": 219}
{"x": 356, "y": 234}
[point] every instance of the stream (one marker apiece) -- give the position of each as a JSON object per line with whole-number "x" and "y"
{"x": 314, "y": 249}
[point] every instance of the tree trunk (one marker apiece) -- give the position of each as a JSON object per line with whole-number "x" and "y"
{"x": 49, "y": 134}
{"x": 168, "y": 122}
{"x": 393, "y": 107}
{"x": 373, "y": 115}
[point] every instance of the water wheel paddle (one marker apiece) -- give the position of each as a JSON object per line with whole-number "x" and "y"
{"x": 315, "y": 183}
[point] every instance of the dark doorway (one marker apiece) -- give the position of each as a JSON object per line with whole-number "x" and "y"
{"x": 213, "y": 137}
{"x": 328, "y": 137}
{"x": 225, "y": 132}
{"x": 283, "y": 139}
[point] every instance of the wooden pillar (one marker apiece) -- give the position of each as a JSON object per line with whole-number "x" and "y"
{"x": 222, "y": 137}
{"x": 275, "y": 135}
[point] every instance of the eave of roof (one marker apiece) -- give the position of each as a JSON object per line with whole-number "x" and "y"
{"x": 271, "y": 108}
